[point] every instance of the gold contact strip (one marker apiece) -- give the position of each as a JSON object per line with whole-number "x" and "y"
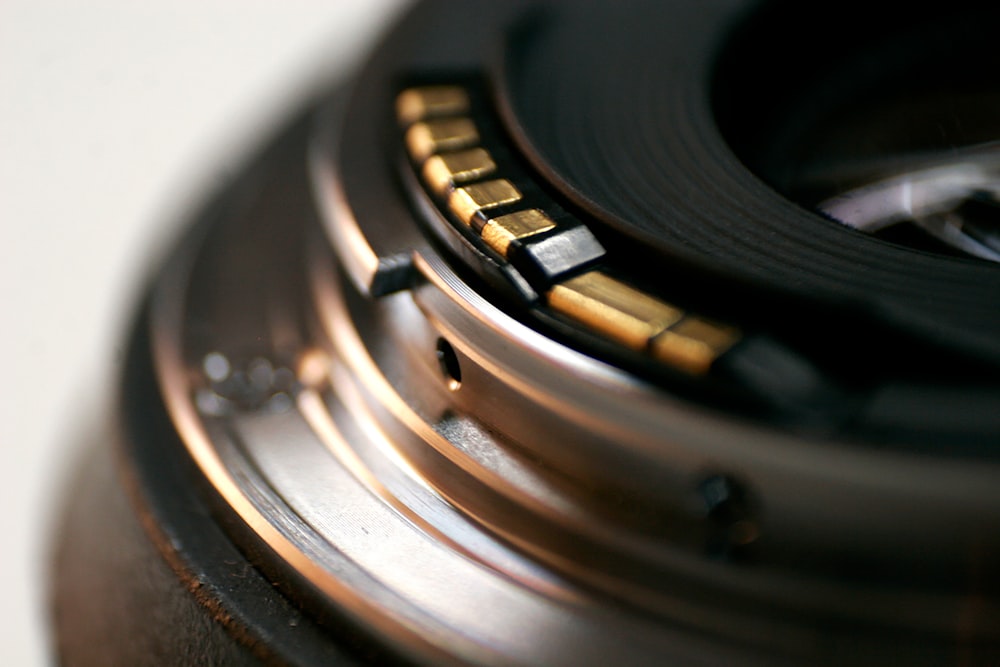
{"x": 616, "y": 309}
{"x": 447, "y": 170}
{"x": 435, "y": 135}
{"x": 499, "y": 233}
{"x": 416, "y": 104}
{"x": 445, "y": 143}
{"x": 693, "y": 344}
{"x": 466, "y": 202}
{"x": 451, "y": 174}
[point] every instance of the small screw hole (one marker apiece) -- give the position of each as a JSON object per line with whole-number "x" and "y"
{"x": 448, "y": 361}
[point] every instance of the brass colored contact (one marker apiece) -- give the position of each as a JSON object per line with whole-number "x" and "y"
{"x": 449, "y": 169}
{"x": 693, "y": 344}
{"x": 445, "y": 143}
{"x": 432, "y": 136}
{"x": 613, "y": 308}
{"x": 500, "y": 232}
{"x": 466, "y": 202}
{"x": 425, "y": 102}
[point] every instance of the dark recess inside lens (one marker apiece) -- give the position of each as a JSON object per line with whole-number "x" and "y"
{"x": 821, "y": 98}
{"x": 448, "y": 362}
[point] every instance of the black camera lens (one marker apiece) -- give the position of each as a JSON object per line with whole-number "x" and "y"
{"x": 574, "y": 333}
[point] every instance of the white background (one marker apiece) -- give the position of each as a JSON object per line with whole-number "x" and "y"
{"x": 113, "y": 115}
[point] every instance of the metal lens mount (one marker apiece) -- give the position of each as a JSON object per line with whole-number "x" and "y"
{"x": 410, "y": 383}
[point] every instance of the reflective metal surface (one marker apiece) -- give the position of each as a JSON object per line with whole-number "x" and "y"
{"x": 547, "y": 508}
{"x": 936, "y": 198}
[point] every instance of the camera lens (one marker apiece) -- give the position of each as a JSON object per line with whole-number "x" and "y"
{"x": 548, "y": 340}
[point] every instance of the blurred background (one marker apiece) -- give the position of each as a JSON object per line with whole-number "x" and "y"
{"x": 114, "y": 117}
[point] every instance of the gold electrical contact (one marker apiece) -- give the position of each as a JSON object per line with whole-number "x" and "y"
{"x": 445, "y": 144}
{"x": 693, "y": 344}
{"x": 613, "y": 308}
{"x": 499, "y": 233}
{"x": 424, "y": 102}
{"x": 426, "y": 138}
{"x": 467, "y": 201}
{"x": 446, "y": 170}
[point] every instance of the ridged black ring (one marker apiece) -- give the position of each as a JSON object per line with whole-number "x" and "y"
{"x": 623, "y": 124}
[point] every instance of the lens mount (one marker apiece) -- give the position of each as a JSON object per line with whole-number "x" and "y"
{"x": 491, "y": 394}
